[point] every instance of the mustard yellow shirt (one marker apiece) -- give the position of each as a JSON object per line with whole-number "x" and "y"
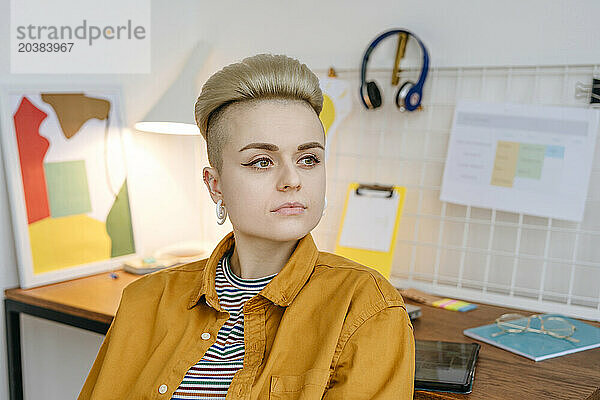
{"x": 324, "y": 327}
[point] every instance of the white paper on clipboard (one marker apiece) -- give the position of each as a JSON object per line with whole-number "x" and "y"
{"x": 369, "y": 220}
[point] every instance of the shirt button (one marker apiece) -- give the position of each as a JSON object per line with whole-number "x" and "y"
{"x": 205, "y": 336}
{"x": 162, "y": 389}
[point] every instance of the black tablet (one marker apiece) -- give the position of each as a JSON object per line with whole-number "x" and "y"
{"x": 445, "y": 366}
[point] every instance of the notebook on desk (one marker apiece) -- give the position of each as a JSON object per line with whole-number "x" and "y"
{"x": 538, "y": 346}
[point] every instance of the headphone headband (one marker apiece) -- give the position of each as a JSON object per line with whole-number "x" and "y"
{"x": 424, "y": 69}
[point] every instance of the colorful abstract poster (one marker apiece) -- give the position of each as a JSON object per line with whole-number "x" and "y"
{"x": 65, "y": 159}
{"x": 337, "y": 104}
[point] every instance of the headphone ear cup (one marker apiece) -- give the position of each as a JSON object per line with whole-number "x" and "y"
{"x": 402, "y": 93}
{"x": 373, "y": 94}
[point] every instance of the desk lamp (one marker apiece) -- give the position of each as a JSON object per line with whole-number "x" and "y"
{"x": 174, "y": 111}
{"x": 173, "y": 114}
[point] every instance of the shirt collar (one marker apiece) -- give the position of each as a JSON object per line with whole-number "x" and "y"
{"x": 281, "y": 290}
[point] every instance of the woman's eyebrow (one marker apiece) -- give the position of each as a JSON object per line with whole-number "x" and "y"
{"x": 272, "y": 147}
{"x": 310, "y": 145}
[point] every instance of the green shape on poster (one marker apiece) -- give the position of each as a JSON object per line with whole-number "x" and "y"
{"x": 118, "y": 225}
{"x": 68, "y": 191}
{"x": 531, "y": 160}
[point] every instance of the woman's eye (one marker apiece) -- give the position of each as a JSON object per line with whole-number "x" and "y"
{"x": 261, "y": 163}
{"x": 314, "y": 159}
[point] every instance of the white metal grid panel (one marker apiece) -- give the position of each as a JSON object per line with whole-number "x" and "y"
{"x": 541, "y": 264}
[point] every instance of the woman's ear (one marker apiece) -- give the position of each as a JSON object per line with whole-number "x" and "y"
{"x": 213, "y": 183}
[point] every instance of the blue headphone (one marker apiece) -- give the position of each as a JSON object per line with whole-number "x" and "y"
{"x": 409, "y": 95}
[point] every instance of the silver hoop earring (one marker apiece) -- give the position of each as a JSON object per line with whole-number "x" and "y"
{"x": 221, "y": 212}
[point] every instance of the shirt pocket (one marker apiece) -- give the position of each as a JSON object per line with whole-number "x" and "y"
{"x": 309, "y": 385}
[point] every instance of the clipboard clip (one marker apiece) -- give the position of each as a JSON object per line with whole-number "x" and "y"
{"x": 382, "y": 188}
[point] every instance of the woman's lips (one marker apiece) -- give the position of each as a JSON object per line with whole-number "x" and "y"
{"x": 290, "y": 208}
{"x": 289, "y": 211}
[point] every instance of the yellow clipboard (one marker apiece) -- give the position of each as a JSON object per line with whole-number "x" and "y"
{"x": 369, "y": 225}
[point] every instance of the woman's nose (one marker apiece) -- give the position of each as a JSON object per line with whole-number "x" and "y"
{"x": 289, "y": 177}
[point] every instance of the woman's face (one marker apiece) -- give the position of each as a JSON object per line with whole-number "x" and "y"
{"x": 274, "y": 155}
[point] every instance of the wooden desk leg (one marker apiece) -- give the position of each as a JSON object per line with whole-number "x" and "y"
{"x": 13, "y": 346}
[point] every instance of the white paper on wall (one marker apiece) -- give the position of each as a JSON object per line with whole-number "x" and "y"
{"x": 528, "y": 159}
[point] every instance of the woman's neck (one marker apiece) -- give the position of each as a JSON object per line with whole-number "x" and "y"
{"x": 257, "y": 257}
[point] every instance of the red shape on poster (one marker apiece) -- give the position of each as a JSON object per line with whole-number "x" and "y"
{"x": 32, "y": 149}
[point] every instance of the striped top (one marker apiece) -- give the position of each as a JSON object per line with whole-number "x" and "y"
{"x": 210, "y": 377}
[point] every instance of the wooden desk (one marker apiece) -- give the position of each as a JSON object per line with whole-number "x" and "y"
{"x": 500, "y": 374}
{"x": 91, "y": 302}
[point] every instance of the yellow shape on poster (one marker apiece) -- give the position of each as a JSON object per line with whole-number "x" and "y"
{"x": 58, "y": 243}
{"x": 327, "y": 115}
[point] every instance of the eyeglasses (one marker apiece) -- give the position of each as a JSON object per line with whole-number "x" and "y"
{"x": 553, "y": 326}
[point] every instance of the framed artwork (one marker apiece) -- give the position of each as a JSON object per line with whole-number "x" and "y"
{"x": 66, "y": 168}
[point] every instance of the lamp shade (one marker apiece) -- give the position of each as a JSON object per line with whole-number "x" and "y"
{"x": 174, "y": 111}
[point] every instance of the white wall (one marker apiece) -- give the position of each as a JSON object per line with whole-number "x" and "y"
{"x": 460, "y": 33}
{"x": 457, "y": 33}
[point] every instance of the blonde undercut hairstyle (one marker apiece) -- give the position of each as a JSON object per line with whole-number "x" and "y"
{"x": 260, "y": 77}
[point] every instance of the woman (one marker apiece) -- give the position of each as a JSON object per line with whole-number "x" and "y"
{"x": 267, "y": 315}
